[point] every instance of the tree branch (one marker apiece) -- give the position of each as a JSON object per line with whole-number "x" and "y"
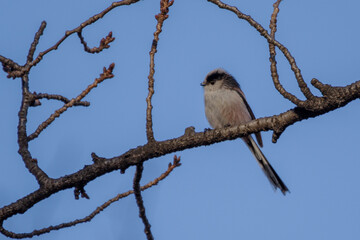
{"x": 10, "y": 67}
{"x": 161, "y": 17}
{"x": 14, "y": 70}
{"x": 187, "y": 141}
{"x": 273, "y": 67}
{"x": 140, "y": 202}
{"x": 263, "y": 32}
{"x": 104, "y": 43}
{"x": 78, "y": 29}
{"x": 107, "y": 73}
{"x": 34, "y": 44}
{"x": 333, "y": 98}
{"x": 176, "y": 163}
{"x": 30, "y": 163}
{"x": 59, "y": 98}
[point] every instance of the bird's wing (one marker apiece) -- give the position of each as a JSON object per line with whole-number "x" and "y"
{"x": 242, "y": 95}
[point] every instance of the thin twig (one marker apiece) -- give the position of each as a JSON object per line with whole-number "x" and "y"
{"x": 9, "y": 66}
{"x": 81, "y": 27}
{"x": 27, "y": 101}
{"x": 140, "y": 202}
{"x": 12, "y": 68}
{"x": 34, "y": 44}
{"x": 263, "y": 32}
{"x": 176, "y": 163}
{"x": 147, "y": 152}
{"x": 107, "y": 73}
{"x": 161, "y": 17}
{"x": 273, "y": 67}
{"x": 59, "y": 98}
{"x": 274, "y": 73}
{"x": 104, "y": 43}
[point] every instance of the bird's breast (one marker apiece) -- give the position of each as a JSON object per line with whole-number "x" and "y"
{"x": 225, "y": 107}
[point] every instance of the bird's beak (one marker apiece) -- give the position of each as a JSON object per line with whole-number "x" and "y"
{"x": 203, "y": 84}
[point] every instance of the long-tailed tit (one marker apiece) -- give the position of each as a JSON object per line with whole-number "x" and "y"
{"x": 226, "y": 105}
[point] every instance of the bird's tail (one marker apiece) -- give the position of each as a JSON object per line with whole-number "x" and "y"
{"x": 270, "y": 173}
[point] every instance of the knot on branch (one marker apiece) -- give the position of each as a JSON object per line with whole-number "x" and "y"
{"x": 96, "y": 159}
{"x": 190, "y": 131}
{"x": 278, "y": 129}
{"x": 35, "y": 103}
{"x": 80, "y": 191}
{"x": 33, "y": 100}
{"x": 329, "y": 91}
{"x": 12, "y": 71}
{"x": 325, "y": 89}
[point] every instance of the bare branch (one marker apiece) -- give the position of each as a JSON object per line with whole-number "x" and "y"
{"x": 140, "y": 202}
{"x": 30, "y": 163}
{"x": 59, "y": 98}
{"x": 107, "y": 73}
{"x": 81, "y": 27}
{"x": 11, "y": 68}
{"x": 35, "y": 42}
{"x": 14, "y": 70}
{"x": 273, "y": 67}
{"x": 161, "y": 17}
{"x": 274, "y": 74}
{"x": 263, "y": 32}
{"x": 333, "y": 98}
{"x": 176, "y": 163}
{"x": 187, "y": 141}
{"x": 104, "y": 43}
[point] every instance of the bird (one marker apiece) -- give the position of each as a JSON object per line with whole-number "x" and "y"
{"x": 226, "y": 106}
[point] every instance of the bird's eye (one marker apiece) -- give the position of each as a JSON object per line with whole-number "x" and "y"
{"x": 212, "y": 82}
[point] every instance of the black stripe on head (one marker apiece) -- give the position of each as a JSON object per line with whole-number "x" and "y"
{"x": 220, "y": 74}
{"x": 215, "y": 76}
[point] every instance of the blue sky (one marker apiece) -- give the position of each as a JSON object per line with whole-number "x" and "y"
{"x": 219, "y": 192}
